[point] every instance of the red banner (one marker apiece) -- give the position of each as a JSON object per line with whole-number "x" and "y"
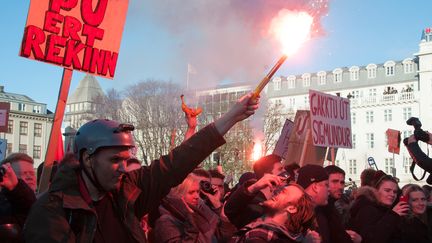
{"x": 82, "y": 35}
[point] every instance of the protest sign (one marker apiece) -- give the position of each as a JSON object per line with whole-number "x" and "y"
{"x": 300, "y": 143}
{"x": 281, "y": 147}
{"x": 393, "y": 140}
{"x": 82, "y": 35}
{"x": 330, "y": 120}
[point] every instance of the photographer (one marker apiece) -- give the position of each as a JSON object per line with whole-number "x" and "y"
{"x": 419, "y": 157}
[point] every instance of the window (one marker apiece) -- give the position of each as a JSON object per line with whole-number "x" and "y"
{"x": 9, "y": 148}
{"x": 37, "y": 109}
{"x": 407, "y": 113}
{"x": 10, "y": 126}
{"x": 321, "y": 78}
{"x": 21, "y": 107}
{"x": 372, "y": 92}
{"x": 291, "y": 82}
{"x": 357, "y": 94}
{"x": 353, "y": 118}
{"x": 370, "y": 140}
{"x": 353, "y": 166}
{"x": 68, "y": 108}
{"x": 389, "y": 68}
{"x": 337, "y": 75}
{"x": 306, "y": 79}
{"x": 36, "y": 151}
{"x": 291, "y": 102}
{"x": 277, "y": 83}
{"x": 371, "y": 71}
{"x": 23, "y": 148}
{"x": 407, "y": 161}
{"x": 389, "y": 165}
{"x": 369, "y": 116}
{"x": 408, "y": 65}
{"x": 406, "y": 134}
{"x": 306, "y": 101}
{"x": 23, "y": 128}
{"x": 354, "y": 73}
{"x": 388, "y": 115}
{"x": 353, "y": 141}
{"x": 38, "y": 130}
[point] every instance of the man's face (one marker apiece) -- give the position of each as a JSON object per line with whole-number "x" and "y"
{"x": 24, "y": 170}
{"x": 277, "y": 168}
{"x": 109, "y": 164}
{"x": 219, "y": 184}
{"x": 336, "y": 185}
{"x": 321, "y": 197}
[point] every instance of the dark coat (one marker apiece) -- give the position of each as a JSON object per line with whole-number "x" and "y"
{"x": 262, "y": 232}
{"x": 14, "y": 208}
{"x": 177, "y": 224}
{"x": 53, "y": 215}
{"x": 330, "y": 225}
{"x": 413, "y": 229}
{"x": 373, "y": 221}
{"x": 243, "y": 207}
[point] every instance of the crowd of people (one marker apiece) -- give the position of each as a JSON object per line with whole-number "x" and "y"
{"x": 101, "y": 193}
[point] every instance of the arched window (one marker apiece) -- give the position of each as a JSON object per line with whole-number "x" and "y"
{"x": 371, "y": 70}
{"x": 321, "y": 77}
{"x": 354, "y": 73}
{"x": 408, "y": 65}
{"x": 337, "y": 75}
{"x": 291, "y": 82}
{"x": 277, "y": 83}
{"x": 389, "y": 68}
{"x": 306, "y": 79}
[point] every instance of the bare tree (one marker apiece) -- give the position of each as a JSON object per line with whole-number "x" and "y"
{"x": 108, "y": 106}
{"x": 155, "y": 110}
{"x": 274, "y": 119}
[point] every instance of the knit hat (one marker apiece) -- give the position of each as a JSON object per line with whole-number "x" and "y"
{"x": 309, "y": 174}
{"x": 265, "y": 165}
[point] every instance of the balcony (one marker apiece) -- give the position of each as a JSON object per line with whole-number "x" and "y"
{"x": 387, "y": 99}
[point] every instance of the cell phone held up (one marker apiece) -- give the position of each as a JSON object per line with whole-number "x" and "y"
{"x": 403, "y": 199}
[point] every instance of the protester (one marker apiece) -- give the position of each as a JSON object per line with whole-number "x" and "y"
{"x": 217, "y": 181}
{"x": 16, "y": 196}
{"x": 417, "y": 225}
{"x": 372, "y": 215}
{"x": 244, "y": 204}
{"x": 186, "y": 218}
{"x": 98, "y": 200}
{"x": 288, "y": 217}
{"x": 332, "y": 219}
{"x": 367, "y": 176}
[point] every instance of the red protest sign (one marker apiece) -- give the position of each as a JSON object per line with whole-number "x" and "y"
{"x": 82, "y": 35}
{"x": 393, "y": 140}
{"x": 330, "y": 120}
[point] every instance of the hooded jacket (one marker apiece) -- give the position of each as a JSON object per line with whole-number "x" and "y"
{"x": 62, "y": 214}
{"x": 372, "y": 220}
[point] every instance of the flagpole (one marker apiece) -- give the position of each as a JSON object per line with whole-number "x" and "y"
{"x": 187, "y": 79}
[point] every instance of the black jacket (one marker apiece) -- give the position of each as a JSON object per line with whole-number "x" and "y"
{"x": 413, "y": 229}
{"x": 243, "y": 207}
{"x": 330, "y": 224}
{"x": 373, "y": 221}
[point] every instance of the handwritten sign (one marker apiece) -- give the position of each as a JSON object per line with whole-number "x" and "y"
{"x": 393, "y": 140}
{"x": 281, "y": 147}
{"x": 83, "y": 35}
{"x": 330, "y": 120}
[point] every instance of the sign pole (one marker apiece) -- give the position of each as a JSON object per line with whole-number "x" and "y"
{"x": 55, "y": 130}
{"x": 306, "y": 141}
{"x": 333, "y": 155}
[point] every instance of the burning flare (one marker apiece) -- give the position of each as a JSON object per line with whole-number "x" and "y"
{"x": 257, "y": 151}
{"x": 292, "y": 29}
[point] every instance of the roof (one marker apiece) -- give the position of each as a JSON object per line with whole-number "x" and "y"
{"x": 88, "y": 89}
{"x": 14, "y": 97}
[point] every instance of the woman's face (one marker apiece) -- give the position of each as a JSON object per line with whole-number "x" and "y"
{"x": 417, "y": 202}
{"x": 387, "y": 192}
{"x": 192, "y": 194}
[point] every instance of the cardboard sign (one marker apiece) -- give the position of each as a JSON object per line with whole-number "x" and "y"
{"x": 331, "y": 120}
{"x": 281, "y": 147}
{"x": 4, "y": 116}
{"x": 301, "y": 139}
{"x": 82, "y": 35}
{"x": 393, "y": 140}
{"x": 3, "y": 147}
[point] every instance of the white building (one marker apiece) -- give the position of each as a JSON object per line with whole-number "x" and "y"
{"x": 382, "y": 96}
{"x": 29, "y": 126}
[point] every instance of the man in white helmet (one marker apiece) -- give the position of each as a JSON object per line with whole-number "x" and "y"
{"x": 96, "y": 200}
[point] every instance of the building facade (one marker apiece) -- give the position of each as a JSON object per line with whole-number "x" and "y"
{"x": 382, "y": 96}
{"x": 81, "y": 104}
{"x": 29, "y": 126}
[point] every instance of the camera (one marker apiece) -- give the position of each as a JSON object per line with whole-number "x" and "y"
{"x": 2, "y": 173}
{"x": 207, "y": 187}
{"x": 419, "y": 133}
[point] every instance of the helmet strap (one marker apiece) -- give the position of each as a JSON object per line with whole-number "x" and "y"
{"x": 92, "y": 177}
